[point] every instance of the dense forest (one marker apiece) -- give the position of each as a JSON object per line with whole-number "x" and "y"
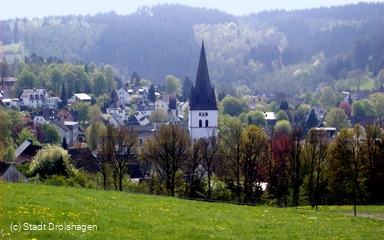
{"x": 268, "y": 51}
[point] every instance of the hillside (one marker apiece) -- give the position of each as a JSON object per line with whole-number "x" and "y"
{"x": 121, "y": 215}
{"x": 262, "y": 51}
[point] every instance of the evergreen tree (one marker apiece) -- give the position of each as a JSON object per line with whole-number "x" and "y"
{"x": 114, "y": 98}
{"x": 135, "y": 79}
{"x": 151, "y": 93}
{"x": 65, "y": 145}
{"x": 63, "y": 97}
{"x": 312, "y": 119}
{"x": 284, "y": 105}
{"x": 172, "y": 103}
{"x": 186, "y": 89}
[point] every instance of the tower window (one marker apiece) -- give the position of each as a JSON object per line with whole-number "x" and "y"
{"x": 206, "y": 123}
{"x": 200, "y": 123}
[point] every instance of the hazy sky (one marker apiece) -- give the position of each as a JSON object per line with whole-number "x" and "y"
{"x": 42, "y": 8}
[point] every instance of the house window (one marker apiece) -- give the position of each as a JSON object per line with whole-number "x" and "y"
{"x": 200, "y": 123}
{"x": 206, "y": 123}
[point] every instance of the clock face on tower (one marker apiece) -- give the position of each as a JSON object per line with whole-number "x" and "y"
{"x": 203, "y": 114}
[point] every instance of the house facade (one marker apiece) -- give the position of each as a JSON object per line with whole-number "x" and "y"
{"x": 124, "y": 96}
{"x": 33, "y": 98}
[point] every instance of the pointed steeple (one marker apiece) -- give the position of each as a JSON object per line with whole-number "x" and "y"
{"x": 202, "y": 93}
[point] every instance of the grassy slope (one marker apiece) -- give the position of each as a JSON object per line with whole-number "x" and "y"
{"x": 129, "y": 216}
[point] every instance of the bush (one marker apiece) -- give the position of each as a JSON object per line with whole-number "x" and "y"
{"x": 52, "y": 160}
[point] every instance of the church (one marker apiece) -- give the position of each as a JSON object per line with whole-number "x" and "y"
{"x": 203, "y": 111}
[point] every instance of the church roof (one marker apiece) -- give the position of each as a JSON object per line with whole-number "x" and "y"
{"x": 202, "y": 93}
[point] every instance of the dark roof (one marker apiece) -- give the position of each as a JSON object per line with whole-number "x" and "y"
{"x": 202, "y": 93}
{"x": 60, "y": 123}
{"x": 3, "y": 167}
{"x": 49, "y": 114}
{"x": 363, "y": 121}
{"x": 83, "y": 158}
{"x": 25, "y": 153}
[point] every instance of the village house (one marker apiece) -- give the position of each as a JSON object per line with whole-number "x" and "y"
{"x": 124, "y": 96}
{"x": 25, "y": 152}
{"x": 79, "y": 97}
{"x": 34, "y": 98}
{"x": 120, "y": 113}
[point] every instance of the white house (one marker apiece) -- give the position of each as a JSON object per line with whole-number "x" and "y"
{"x": 124, "y": 96}
{"x": 33, "y": 98}
{"x": 120, "y": 113}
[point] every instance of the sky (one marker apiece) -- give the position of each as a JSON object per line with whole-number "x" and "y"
{"x": 42, "y": 8}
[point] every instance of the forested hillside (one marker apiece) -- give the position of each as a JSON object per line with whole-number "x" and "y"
{"x": 267, "y": 51}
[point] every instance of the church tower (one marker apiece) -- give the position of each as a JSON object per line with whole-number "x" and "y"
{"x": 203, "y": 111}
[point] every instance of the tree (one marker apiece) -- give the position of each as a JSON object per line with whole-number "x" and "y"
{"x": 152, "y": 93}
{"x": 281, "y": 115}
{"x": 64, "y": 144}
{"x": 373, "y": 148}
{"x": 315, "y": 158}
{"x": 52, "y": 160}
{"x": 359, "y": 109}
{"x": 348, "y": 165}
{"x": 157, "y": 116}
{"x": 27, "y": 79}
{"x": 4, "y": 71}
{"x": 82, "y": 112}
{"x": 167, "y": 150}
{"x": 51, "y": 134}
{"x": 234, "y": 106}
{"x": 125, "y": 149}
{"x": 56, "y": 81}
{"x": 99, "y": 86}
{"x": 25, "y": 134}
{"x": 337, "y": 118}
{"x": 172, "y": 103}
{"x": 135, "y": 79}
{"x": 294, "y": 165}
{"x": 63, "y": 96}
{"x": 257, "y": 118}
{"x": 312, "y": 119}
{"x": 231, "y": 138}
{"x": 277, "y": 169}
{"x": 327, "y": 97}
{"x": 113, "y": 98}
{"x": 172, "y": 85}
{"x": 378, "y": 102}
{"x": 94, "y": 132}
{"x": 284, "y": 105}
{"x": 254, "y": 161}
{"x": 192, "y": 172}
{"x": 282, "y": 127}
{"x": 209, "y": 150}
{"x": 186, "y": 89}
{"x": 346, "y": 107}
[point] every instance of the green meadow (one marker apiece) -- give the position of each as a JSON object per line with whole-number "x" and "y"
{"x": 26, "y": 208}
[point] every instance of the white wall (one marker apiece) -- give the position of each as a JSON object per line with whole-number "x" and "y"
{"x": 196, "y": 131}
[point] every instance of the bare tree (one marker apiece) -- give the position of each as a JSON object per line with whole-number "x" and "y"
{"x": 125, "y": 145}
{"x": 209, "y": 150}
{"x": 167, "y": 150}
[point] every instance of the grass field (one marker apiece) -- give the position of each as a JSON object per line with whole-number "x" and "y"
{"x": 132, "y": 216}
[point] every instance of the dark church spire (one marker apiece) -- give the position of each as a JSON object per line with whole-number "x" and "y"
{"x": 202, "y": 93}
